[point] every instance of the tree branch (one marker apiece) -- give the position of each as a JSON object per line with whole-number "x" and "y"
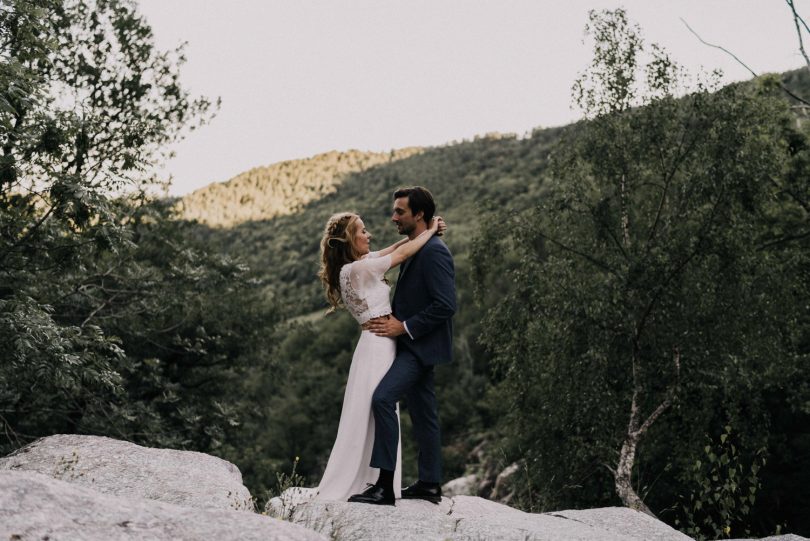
{"x": 28, "y": 234}
{"x": 788, "y": 238}
{"x": 608, "y": 229}
{"x": 98, "y": 309}
{"x": 676, "y": 358}
{"x": 676, "y": 163}
{"x": 785, "y": 89}
{"x": 593, "y": 260}
{"x": 11, "y": 435}
{"x": 678, "y": 268}
{"x": 796, "y": 20}
{"x": 732, "y": 55}
{"x": 804, "y": 204}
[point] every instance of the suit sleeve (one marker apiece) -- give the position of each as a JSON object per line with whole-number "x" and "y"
{"x": 440, "y": 284}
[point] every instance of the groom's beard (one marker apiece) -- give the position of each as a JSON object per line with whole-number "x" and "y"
{"x": 405, "y": 230}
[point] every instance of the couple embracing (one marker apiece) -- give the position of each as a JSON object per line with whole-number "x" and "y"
{"x": 399, "y": 346}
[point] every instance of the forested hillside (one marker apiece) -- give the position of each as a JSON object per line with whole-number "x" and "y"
{"x": 284, "y": 188}
{"x": 472, "y": 182}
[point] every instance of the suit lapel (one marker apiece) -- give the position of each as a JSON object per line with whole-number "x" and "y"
{"x": 404, "y": 267}
{"x": 402, "y": 270}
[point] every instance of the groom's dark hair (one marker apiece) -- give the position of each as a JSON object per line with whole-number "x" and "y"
{"x": 419, "y": 200}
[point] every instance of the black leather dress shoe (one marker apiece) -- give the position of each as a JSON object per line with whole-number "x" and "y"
{"x": 431, "y": 492}
{"x": 375, "y": 495}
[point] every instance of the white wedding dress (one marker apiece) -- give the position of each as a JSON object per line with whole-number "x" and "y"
{"x": 366, "y": 296}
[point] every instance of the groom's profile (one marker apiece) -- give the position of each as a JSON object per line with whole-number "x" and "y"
{"x": 423, "y": 307}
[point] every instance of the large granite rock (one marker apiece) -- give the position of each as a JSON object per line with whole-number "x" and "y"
{"x": 624, "y": 521}
{"x": 97, "y": 488}
{"x": 462, "y": 486}
{"x": 124, "y": 469}
{"x": 34, "y": 507}
{"x": 464, "y": 518}
{"x": 786, "y": 537}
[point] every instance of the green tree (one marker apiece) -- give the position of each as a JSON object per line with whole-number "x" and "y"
{"x": 659, "y": 282}
{"x": 112, "y": 320}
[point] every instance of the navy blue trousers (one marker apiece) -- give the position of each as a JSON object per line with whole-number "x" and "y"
{"x": 412, "y": 380}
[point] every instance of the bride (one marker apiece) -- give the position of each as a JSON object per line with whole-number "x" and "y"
{"x": 353, "y": 276}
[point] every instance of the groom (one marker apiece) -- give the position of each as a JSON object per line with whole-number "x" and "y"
{"x": 423, "y": 307}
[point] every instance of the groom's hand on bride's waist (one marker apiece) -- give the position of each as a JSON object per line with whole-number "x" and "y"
{"x": 390, "y": 327}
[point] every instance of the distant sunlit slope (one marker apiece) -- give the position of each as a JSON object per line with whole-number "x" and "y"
{"x": 278, "y": 189}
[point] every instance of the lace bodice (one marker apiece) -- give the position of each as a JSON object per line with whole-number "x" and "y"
{"x": 362, "y": 288}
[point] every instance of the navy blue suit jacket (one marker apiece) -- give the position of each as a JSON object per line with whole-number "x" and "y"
{"x": 425, "y": 299}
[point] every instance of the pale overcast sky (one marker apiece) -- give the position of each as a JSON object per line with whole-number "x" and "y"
{"x": 301, "y": 77}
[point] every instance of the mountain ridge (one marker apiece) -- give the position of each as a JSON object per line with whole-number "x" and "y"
{"x": 281, "y": 188}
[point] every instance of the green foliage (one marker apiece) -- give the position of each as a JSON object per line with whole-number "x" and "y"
{"x": 724, "y": 492}
{"x": 672, "y": 230}
{"x": 193, "y": 332}
{"x": 112, "y": 319}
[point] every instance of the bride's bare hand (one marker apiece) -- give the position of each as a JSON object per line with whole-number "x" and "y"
{"x": 438, "y": 225}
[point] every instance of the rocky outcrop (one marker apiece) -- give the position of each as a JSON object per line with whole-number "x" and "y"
{"x": 464, "y": 518}
{"x": 121, "y": 468}
{"x": 93, "y": 488}
{"x": 485, "y": 476}
{"x": 461, "y": 486}
{"x": 35, "y": 506}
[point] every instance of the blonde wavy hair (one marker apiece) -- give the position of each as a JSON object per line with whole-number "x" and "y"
{"x": 337, "y": 249}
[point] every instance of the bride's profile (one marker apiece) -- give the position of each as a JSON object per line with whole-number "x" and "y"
{"x": 353, "y": 277}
